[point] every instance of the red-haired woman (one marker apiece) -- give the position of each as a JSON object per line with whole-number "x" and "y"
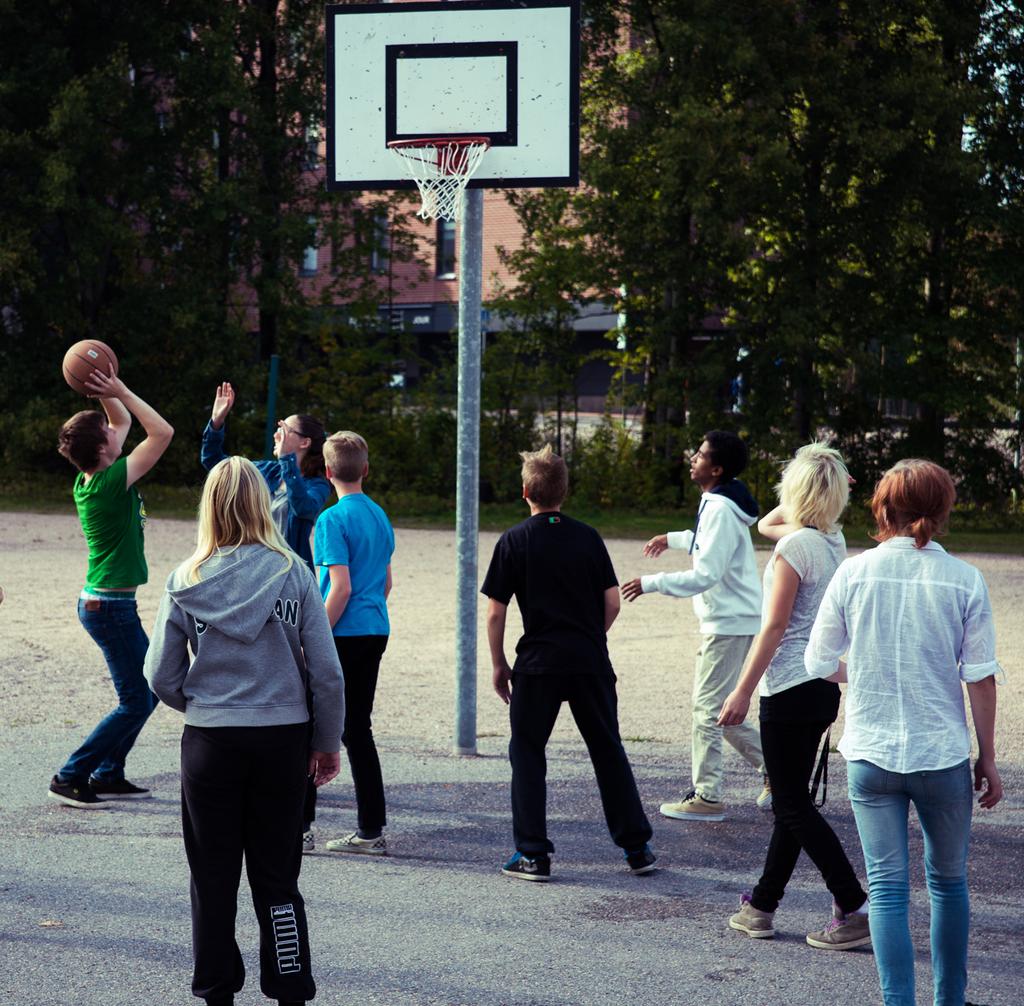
{"x": 915, "y": 623}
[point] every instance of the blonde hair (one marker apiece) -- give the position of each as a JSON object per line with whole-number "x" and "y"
{"x": 545, "y": 477}
{"x": 913, "y": 498}
{"x": 815, "y": 487}
{"x": 346, "y": 455}
{"x": 235, "y": 510}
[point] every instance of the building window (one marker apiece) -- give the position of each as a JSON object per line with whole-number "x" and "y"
{"x": 309, "y": 256}
{"x": 445, "y": 249}
{"x": 380, "y": 249}
{"x": 312, "y": 156}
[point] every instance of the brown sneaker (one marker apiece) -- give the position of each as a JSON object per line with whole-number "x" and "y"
{"x": 752, "y": 921}
{"x": 847, "y": 933}
{"x": 693, "y": 807}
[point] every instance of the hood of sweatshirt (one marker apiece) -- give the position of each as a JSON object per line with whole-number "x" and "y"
{"x": 236, "y": 597}
{"x": 739, "y": 496}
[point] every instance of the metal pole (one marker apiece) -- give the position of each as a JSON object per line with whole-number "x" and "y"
{"x": 1018, "y": 359}
{"x": 467, "y": 487}
{"x": 268, "y": 440}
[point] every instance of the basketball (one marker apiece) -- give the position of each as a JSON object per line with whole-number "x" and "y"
{"x": 83, "y": 358}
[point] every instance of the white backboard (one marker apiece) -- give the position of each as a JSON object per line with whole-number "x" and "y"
{"x": 504, "y": 69}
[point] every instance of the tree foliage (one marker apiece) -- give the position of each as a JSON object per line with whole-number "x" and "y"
{"x": 156, "y": 161}
{"x": 811, "y": 216}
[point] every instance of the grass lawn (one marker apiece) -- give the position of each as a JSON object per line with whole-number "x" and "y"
{"x": 976, "y": 533}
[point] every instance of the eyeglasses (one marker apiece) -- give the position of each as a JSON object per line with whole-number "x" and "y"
{"x": 285, "y": 428}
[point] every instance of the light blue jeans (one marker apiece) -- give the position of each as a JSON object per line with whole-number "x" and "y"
{"x": 944, "y": 801}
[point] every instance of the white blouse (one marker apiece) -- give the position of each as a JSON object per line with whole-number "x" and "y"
{"x": 914, "y": 623}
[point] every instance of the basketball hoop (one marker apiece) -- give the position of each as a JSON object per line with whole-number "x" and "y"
{"x": 441, "y": 167}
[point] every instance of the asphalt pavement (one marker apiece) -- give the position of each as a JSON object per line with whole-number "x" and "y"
{"x": 95, "y": 908}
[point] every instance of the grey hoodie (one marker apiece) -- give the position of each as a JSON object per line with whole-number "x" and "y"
{"x": 258, "y": 640}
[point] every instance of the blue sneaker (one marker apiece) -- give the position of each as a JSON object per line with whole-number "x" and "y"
{"x": 640, "y": 860}
{"x": 528, "y": 868}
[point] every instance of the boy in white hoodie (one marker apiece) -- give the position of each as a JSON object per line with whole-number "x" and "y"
{"x": 726, "y": 592}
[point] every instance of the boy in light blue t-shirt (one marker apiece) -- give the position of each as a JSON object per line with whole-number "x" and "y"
{"x": 352, "y": 547}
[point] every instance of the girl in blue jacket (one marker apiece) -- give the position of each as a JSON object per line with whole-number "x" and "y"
{"x": 295, "y": 477}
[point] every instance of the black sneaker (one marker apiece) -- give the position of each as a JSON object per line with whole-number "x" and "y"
{"x": 74, "y": 794}
{"x": 640, "y": 860}
{"x": 528, "y": 868}
{"x": 118, "y": 789}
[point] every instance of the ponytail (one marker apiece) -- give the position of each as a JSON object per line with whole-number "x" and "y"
{"x": 922, "y": 530}
{"x": 312, "y": 465}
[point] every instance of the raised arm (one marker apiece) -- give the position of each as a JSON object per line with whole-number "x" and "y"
{"x": 780, "y": 608}
{"x": 774, "y": 525}
{"x": 223, "y": 401}
{"x": 118, "y": 418}
{"x": 211, "y": 452}
{"x": 158, "y": 431}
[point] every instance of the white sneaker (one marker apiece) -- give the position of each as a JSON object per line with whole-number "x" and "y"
{"x": 364, "y": 846}
{"x": 764, "y": 801}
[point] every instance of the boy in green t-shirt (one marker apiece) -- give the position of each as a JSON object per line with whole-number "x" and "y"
{"x": 112, "y": 518}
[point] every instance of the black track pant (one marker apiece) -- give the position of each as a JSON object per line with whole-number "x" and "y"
{"x": 360, "y": 663}
{"x": 242, "y": 791}
{"x": 360, "y": 658}
{"x": 536, "y": 700}
{"x": 789, "y": 754}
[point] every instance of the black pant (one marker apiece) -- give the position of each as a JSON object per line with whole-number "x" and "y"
{"x": 242, "y": 791}
{"x": 789, "y": 756}
{"x": 360, "y": 662}
{"x": 536, "y": 700}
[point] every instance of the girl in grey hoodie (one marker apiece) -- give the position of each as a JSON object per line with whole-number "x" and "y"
{"x": 243, "y": 648}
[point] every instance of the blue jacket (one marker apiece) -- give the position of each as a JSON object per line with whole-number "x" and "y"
{"x": 306, "y": 496}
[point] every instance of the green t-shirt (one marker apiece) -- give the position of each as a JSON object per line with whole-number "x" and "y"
{"x": 112, "y": 516}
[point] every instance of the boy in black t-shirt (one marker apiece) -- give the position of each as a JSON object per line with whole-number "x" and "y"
{"x": 559, "y": 571}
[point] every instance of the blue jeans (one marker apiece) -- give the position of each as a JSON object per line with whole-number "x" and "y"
{"x": 115, "y": 627}
{"x": 944, "y": 801}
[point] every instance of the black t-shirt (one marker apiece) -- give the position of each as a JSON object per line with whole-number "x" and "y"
{"x": 558, "y": 569}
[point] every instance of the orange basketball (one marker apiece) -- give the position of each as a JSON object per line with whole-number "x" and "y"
{"x": 83, "y": 358}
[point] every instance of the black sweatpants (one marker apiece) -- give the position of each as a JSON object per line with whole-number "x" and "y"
{"x": 360, "y": 658}
{"x": 536, "y": 700}
{"x": 789, "y": 756}
{"x": 242, "y": 791}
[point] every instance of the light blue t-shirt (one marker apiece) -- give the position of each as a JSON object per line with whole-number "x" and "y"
{"x": 355, "y": 532}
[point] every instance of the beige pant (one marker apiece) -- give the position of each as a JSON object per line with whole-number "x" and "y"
{"x": 719, "y": 662}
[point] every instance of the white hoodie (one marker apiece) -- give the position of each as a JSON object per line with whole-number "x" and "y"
{"x": 723, "y": 582}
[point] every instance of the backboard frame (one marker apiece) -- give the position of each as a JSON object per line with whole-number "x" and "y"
{"x": 506, "y": 49}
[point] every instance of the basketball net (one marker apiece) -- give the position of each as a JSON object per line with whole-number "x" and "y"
{"x": 441, "y": 169}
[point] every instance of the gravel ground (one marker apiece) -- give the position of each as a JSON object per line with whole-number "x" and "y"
{"x": 54, "y": 675}
{"x": 94, "y": 905}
